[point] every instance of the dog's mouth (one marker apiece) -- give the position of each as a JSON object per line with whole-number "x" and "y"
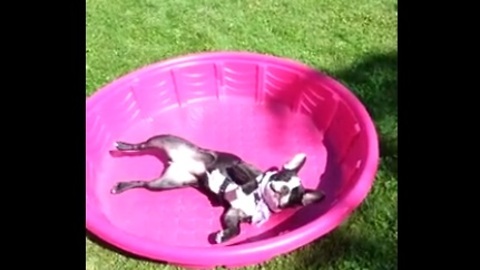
{"x": 272, "y": 198}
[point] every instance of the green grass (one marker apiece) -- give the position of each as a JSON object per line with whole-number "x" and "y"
{"x": 354, "y": 41}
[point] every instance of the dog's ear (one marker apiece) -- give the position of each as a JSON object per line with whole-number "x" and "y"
{"x": 296, "y": 163}
{"x": 271, "y": 169}
{"x": 312, "y": 196}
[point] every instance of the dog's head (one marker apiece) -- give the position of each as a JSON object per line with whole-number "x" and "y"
{"x": 284, "y": 187}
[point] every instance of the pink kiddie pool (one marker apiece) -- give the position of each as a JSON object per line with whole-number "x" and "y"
{"x": 263, "y": 108}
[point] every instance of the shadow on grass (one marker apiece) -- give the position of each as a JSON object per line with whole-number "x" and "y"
{"x": 345, "y": 250}
{"x": 374, "y": 81}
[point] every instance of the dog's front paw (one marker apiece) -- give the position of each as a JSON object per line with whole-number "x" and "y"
{"x": 118, "y": 188}
{"x": 220, "y": 237}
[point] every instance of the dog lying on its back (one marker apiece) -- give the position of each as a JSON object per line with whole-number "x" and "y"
{"x": 249, "y": 194}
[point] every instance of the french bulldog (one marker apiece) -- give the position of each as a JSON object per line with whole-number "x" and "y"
{"x": 248, "y": 193}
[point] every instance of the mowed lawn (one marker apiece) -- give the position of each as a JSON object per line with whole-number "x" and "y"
{"x": 354, "y": 41}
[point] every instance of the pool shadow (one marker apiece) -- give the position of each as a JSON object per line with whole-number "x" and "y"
{"x": 374, "y": 81}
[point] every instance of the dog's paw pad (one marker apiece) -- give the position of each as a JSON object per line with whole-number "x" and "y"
{"x": 114, "y": 190}
{"x": 219, "y": 237}
{"x": 121, "y": 146}
{"x": 117, "y": 188}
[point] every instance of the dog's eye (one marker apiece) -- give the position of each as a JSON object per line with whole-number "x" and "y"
{"x": 284, "y": 190}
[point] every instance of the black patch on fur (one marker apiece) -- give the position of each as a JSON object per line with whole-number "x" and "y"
{"x": 249, "y": 187}
{"x": 243, "y": 177}
{"x": 232, "y": 227}
{"x": 257, "y": 198}
{"x": 223, "y": 160}
{"x": 283, "y": 175}
{"x": 296, "y": 196}
{"x": 238, "y": 174}
{"x": 214, "y": 199}
{"x": 223, "y": 187}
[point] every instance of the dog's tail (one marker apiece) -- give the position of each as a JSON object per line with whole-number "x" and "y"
{"x": 123, "y": 146}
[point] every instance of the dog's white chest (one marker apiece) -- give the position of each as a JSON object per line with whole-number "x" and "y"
{"x": 184, "y": 156}
{"x": 248, "y": 204}
{"x": 251, "y": 206}
{"x": 216, "y": 180}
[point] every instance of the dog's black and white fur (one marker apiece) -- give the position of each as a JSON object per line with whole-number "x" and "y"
{"x": 250, "y": 194}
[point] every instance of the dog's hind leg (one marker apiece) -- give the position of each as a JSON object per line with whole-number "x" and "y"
{"x": 174, "y": 177}
{"x": 176, "y": 148}
{"x": 163, "y": 142}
